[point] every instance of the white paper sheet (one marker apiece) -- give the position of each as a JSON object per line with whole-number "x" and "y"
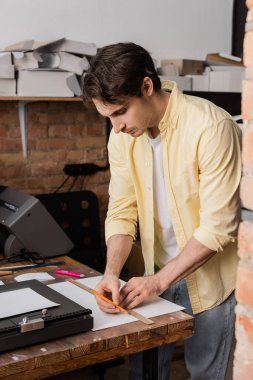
{"x": 103, "y": 320}
{"x": 21, "y": 301}
{"x": 40, "y": 276}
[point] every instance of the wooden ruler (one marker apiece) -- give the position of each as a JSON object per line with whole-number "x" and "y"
{"x": 134, "y": 314}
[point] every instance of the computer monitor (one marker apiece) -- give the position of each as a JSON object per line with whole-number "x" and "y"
{"x": 27, "y": 227}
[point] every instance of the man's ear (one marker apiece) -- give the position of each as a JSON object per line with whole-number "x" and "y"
{"x": 147, "y": 87}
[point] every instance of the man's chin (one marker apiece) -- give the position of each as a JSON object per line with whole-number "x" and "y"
{"x": 136, "y": 133}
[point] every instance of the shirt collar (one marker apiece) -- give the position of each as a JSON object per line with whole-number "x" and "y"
{"x": 171, "y": 115}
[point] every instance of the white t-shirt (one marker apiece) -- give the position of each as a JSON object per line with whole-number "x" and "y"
{"x": 164, "y": 234}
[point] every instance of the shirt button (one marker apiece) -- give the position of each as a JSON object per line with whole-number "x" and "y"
{"x": 149, "y": 188}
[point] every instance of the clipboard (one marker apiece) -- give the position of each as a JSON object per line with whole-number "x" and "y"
{"x": 43, "y": 325}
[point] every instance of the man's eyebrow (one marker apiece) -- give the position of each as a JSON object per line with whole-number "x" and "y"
{"x": 114, "y": 113}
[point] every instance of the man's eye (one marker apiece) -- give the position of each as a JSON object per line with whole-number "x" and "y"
{"x": 122, "y": 111}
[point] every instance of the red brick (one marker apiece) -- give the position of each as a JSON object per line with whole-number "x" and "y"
{"x": 31, "y": 145}
{"x": 16, "y": 171}
{"x": 6, "y": 106}
{"x": 95, "y": 130}
{"x": 247, "y": 151}
{"x": 57, "y": 106}
{"x": 32, "y": 118}
{"x": 75, "y": 156}
{"x": 105, "y": 177}
{"x": 16, "y": 183}
{"x": 56, "y": 118}
{"x": 46, "y": 168}
{"x": 51, "y": 144}
{"x": 9, "y": 118}
{"x": 13, "y": 145}
{"x": 243, "y": 370}
{"x": 247, "y": 324}
{"x": 53, "y": 181}
{"x": 36, "y": 185}
{"x": 244, "y": 347}
{"x": 43, "y": 118}
{"x": 247, "y": 99}
{"x": 75, "y": 130}
{"x": 54, "y": 156}
{"x": 14, "y": 132}
{"x": 59, "y": 130}
{"x": 74, "y": 107}
{"x": 244, "y": 286}
{"x": 95, "y": 154}
{"x": 91, "y": 142}
{"x": 246, "y": 191}
{"x": 4, "y": 131}
{"x": 248, "y": 49}
{"x": 245, "y": 240}
{"x": 37, "y": 132}
{"x": 11, "y": 158}
{"x": 89, "y": 117}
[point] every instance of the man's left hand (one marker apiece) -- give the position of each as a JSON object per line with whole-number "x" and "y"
{"x": 138, "y": 290}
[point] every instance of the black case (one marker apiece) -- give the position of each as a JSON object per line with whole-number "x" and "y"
{"x": 67, "y": 319}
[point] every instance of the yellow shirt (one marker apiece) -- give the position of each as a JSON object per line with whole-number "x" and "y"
{"x": 202, "y": 171}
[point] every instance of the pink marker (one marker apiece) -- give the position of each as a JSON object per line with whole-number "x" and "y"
{"x": 68, "y": 273}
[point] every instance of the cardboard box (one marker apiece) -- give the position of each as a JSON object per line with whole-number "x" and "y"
{"x": 200, "y": 82}
{"x": 62, "y": 44}
{"x": 225, "y": 81}
{"x": 64, "y": 61}
{"x": 7, "y": 87}
{"x": 25, "y": 60}
{"x": 184, "y": 82}
{"x": 170, "y": 69}
{"x": 5, "y": 59}
{"x": 186, "y": 66}
{"x": 45, "y": 83}
{"x": 6, "y": 66}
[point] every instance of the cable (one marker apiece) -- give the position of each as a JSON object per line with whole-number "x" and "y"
{"x": 62, "y": 184}
{"x": 73, "y": 183}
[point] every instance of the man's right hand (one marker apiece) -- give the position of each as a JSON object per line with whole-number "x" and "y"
{"x": 108, "y": 287}
{"x": 118, "y": 249}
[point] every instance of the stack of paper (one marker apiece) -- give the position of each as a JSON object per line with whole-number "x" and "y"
{"x": 7, "y": 75}
{"x": 46, "y": 69}
{"x": 219, "y": 72}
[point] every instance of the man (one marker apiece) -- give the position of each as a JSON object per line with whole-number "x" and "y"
{"x": 175, "y": 169}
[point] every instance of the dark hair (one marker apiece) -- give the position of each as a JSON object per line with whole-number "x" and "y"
{"x": 117, "y": 71}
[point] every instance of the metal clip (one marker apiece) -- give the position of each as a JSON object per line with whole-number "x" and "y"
{"x": 31, "y": 324}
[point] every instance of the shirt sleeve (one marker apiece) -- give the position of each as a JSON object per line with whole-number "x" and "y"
{"x": 219, "y": 155}
{"x": 122, "y": 210}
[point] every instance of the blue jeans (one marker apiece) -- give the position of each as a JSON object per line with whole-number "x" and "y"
{"x": 207, "y": 352}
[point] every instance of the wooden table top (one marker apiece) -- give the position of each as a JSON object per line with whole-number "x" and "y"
{"x": 77, "y": 351}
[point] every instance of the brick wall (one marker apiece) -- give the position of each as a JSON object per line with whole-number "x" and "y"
{"x": 243, "y": 363}
{"x": 59, "y": 133}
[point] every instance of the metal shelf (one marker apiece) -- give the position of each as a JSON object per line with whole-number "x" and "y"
{"x": 39, "y": 98}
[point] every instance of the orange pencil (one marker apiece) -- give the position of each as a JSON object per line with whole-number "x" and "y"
{"x": 94, "y": 292}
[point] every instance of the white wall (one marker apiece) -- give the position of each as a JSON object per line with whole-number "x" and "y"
{"x": 167, "y": 28}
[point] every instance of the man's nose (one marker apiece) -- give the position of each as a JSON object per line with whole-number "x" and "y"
{"x": 118, "y": 127}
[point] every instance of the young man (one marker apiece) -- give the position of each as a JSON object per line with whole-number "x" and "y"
{"x": 175, "y": 169}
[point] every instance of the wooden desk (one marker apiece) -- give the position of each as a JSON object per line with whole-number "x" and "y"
{"x": 77, "y": 351}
